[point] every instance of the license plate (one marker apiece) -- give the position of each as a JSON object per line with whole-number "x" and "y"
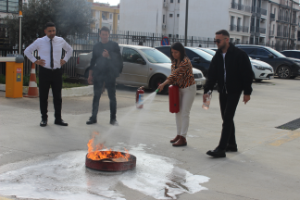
{"x": 198, "y": 82}
{"x": 271, "y": 77}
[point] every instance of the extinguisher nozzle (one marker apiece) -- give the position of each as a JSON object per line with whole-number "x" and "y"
{"x": 157, "y": 90}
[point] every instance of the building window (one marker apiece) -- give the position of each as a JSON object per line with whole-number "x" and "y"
{"x": 178, "y": 1}
{"x": 163, "y": 19}
{"x": 171, "y": 1}
{"x": 170, "y": 35}
{"x": 171, "y": 15}
{"x": 9, "y": 6}
{"x": 110, "y": 16}
{"x": 118, "y": 17}
{"x": 177, "y": 15}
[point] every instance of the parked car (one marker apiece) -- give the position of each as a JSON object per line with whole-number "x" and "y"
{"x": 261, "y": 70}
{"x": 142, "y": 66}
{"x": 199, "y": 59}
{"x": 291, "y": 53}
{"x": 283, "y": 66}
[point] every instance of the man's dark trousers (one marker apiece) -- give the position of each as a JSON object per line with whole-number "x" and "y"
{"x": 53, "y": 78}
{"x": 110, "y": 84}
{"x": 228, "y": 105}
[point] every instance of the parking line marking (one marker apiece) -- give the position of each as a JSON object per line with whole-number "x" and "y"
{"x": 289, "y": 137}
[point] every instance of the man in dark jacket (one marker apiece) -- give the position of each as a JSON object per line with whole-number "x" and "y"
{"x": 231, "y": 70}
{"x": 105, "y": 67}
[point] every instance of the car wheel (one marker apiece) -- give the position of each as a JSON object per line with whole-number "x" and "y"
{"x": 156, "y": 81}
{"x": 258, "y": 80}
{"x": 284, "y": 72}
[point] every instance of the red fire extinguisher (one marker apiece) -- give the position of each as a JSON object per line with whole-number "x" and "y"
{"x": 174, "y": 98}
{"x": 139, "y": 98}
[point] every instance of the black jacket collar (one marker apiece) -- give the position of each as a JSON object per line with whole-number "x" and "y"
{"x": 230, "y": 49}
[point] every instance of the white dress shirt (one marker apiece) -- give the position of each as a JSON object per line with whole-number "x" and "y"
{"x": 44, "y": 49}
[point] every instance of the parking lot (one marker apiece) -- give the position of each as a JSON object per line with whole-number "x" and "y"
{"x": 265, "y": 167}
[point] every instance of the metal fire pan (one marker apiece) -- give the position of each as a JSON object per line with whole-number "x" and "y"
{"x": 105, "y": 165}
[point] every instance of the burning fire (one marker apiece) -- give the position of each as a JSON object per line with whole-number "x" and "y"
{"x": 97, "y": 154}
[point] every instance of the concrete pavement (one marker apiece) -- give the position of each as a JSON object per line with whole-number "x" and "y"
{"x": 266, "y": 166}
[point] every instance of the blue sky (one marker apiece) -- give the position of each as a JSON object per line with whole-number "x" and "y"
{"x": 111, "y": 2}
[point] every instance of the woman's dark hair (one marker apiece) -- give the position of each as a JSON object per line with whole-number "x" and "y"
{"x": 178, "y": 47}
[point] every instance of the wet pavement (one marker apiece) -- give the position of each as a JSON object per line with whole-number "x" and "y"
{"x": 48, "y": 163}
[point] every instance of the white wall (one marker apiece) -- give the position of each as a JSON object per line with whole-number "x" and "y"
{"x": 141, "y": 15}
{"x": 205, "y": 20}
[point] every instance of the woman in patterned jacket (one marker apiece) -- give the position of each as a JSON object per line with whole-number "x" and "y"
{"x": 182, "y": 76}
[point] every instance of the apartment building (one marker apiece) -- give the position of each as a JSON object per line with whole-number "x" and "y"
{"x": 105, "y": 15}
{"x": 264, "y": 22}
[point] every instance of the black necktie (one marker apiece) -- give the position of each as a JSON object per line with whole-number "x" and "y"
{"x": 51, "y": 55}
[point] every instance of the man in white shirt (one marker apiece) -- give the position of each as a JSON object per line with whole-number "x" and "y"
{"x": 49, "y": 49}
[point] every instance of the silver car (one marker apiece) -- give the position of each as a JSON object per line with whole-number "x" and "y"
{"x": 142, "y": 66}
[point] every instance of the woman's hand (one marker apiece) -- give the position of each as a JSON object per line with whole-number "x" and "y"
{"x": 161, "y": 87}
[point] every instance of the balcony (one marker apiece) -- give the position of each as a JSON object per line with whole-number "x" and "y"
{"x": 235, "y": 28}
{"x": 241, "y": 7}
{"x": 271, "y": 33}
{"x": 262, "y": 11}
{"x": 255, "y": 30}
{"x": 262, "y": 30}
{"x": 272, "y": 17}
{"x": 284, "y": 4}
{"x": 282, "y": 34}
{"x": 283, "y": 18}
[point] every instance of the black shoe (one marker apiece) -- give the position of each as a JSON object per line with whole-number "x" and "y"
{"x": 231, "y": 148}
{"x": 217, "y": 153}
{"x": 60, "y": 122}
{"x": 114, "y": 122}
{"x": 43, "y": 123}
{"x": 91, "y": 121}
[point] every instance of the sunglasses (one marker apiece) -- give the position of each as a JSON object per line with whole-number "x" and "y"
{"x": 218, "y": 40}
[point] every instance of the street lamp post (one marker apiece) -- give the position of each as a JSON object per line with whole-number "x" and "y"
{"x": 186, "y": 21}
{"x": 20, "y": 32}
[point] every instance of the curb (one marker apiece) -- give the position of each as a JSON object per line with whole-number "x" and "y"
{"x": 66, "y": 92}
{"x": 4, "y": 198}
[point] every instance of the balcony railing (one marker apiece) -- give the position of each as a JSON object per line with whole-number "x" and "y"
{"x": 241, "y": 7}
{"x": 262, "y": 30}
{"x": 261, "y": 11}
{"x": 271, "y": 32}
{"x": 272, "y": 17}
{"x": 282, "y": 34}
{"x": 283, "y": 3}
{"x": 236, "y": 28}
{"x": 284, "y": 18}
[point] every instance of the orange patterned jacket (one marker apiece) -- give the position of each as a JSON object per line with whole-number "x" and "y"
{"x": 182, "y": 76}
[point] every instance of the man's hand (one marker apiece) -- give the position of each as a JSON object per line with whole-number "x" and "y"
{"x": 40, "y": 62}
{"x": 105, "y": 54}
{"x": 246, "y": 98}
{"x": 205, "y": 96}
{"x": 62, "y": 62}
{"x": 90, "y": 80}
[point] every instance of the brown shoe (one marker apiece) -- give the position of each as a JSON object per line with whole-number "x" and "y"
{"x": 180, "y": 142}
{"x": 175, "y": 139}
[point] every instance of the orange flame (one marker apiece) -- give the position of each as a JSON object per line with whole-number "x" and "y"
{"x": 97, "y": 154}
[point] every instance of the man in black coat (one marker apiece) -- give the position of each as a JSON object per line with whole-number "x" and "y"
{"x": 231, "y": 70}
{"x": 106, "y": 65}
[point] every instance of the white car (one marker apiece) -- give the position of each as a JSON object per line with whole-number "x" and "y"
{"x": 142, "y": 66}
{"x": 261, "y": 70}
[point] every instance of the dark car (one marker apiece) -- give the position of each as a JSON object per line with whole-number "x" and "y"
{"x": 291, "y": 53}
{"x": 283, "y": 66}
{"x": 199, "y": 59}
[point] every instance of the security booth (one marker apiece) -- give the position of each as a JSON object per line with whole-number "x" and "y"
{"x": 14, "y": 76}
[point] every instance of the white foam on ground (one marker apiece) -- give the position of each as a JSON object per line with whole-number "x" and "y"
{"x": 65, "y": 177}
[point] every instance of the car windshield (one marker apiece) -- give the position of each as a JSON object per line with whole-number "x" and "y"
{"x": 155, "y": 56}
{"x": 209, "y": 51}
{"x": 203, "y": 54}
{"x": 276, "y": 53}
